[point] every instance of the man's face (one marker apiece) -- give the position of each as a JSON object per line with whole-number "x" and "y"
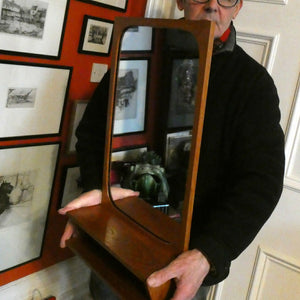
{"x": 211, "y": 11}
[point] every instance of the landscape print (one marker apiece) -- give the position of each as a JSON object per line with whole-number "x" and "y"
{"x": 23, "y": 17}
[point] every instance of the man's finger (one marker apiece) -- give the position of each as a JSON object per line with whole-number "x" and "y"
{"x": 87, "y": 199}
{"x": 160, "y": 277}
{"x": 69, "y": 230}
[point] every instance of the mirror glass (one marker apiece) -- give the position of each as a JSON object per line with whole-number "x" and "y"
{"x": 153, "y": 115}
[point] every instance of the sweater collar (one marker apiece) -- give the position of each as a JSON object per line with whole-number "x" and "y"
{"x": 226, "y": 42}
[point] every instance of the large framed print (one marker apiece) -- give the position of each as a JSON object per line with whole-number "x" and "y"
{"x": 26, "y": 180}
{"x": 96, "y": 36}
{"x": 79, "y": 107}
{"x": 178, "y": 145}
{"x": 120, "y": 5}
{"x": 182, "y": 92}
{"x": 72, "y": 185}
{"x": 121, "y": 156}
{"x": 131, "y": 154}
{"x": 32, "y": 98}
{"x": 137, "y": 38}
{"x": 32, "y": 27}
{"x": 131, "y": 94}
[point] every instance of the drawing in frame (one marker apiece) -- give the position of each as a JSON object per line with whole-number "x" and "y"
{"x": 32, "y": 98}
{"x": 182, "y": 92}
{"x": 72, "y": 187}
{"x": 121, "y": 156}
{"x": 138, "y": 38}
{"x": 177, "y": 143}
{"x": 131, "y": 95}
{"x": 96, "y": 36}
{"x": 33, "y": 27}
{"x": 120, "y": 5}
{"x": 128, "y": 154}
{"x": 78, "y": 110}
{"x": 26, "y": 179}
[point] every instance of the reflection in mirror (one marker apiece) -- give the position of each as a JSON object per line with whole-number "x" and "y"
{"x": 153, "y": 115}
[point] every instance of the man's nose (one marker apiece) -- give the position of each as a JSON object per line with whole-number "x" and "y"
{"x": 211, "y": 6}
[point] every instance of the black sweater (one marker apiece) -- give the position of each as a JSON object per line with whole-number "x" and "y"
{"x": 242, "y": 157}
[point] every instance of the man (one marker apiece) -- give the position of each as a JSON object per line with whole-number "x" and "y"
{"x": 241, "y": 165}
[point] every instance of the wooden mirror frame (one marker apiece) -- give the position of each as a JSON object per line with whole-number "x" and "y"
{"x": 125, "y": 249}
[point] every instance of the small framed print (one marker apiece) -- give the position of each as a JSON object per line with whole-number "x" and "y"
{"x": 121, "y": 156}
{"x": 26, "y": 180}
{"x": 128, "y": 155}
{"x": 32, "y": 98}
{"x": 138, "y": 38}
{"x": 79, "y": 107}
{"x": 33, "y": 27}
{"x": 183, "y": 87}
{"x": 178, "y": 144}
{"x": 72, "y": 185}
{"x": 131, "y": 94}
{"x": 96, "y": 36}
{"x": 120, "y": 5}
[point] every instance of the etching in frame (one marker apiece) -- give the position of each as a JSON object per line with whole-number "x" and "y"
{"x": 78, "y": 110}
{"x": 120, "y": 5}
{"x": 29, "y": 104}
{"x": 26, "y": 180}
{"x": 36, "y": 29}
{"x": 121, "y": 156}
{"x": 131, "y": 95}
{"x": 138, "y": 38}
{"x": 182, "y": 92}
{"x": 176, "y": 142}
{"x": 96, "y": 36}
{"x": 72, "y": 187}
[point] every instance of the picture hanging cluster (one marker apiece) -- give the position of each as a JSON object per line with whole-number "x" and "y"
{"x": 34, "y": 104}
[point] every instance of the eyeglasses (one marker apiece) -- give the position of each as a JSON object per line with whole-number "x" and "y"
{"x": 223, "y": 3}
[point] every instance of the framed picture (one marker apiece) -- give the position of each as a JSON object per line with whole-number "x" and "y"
{"x": 32, "y": 98}
{"x": 118, "y": 158}
{"x": 178, "y": 146}
{"x": 131, "y": 92}
{"x": 79, "y": 107}
{"x": 26, "y": 179}
{"x": 120, "y": 5}
{"x": 138, "y": 38}
{"x": 182, "y": 92}
{"x": 33, "y": 27}
{"x": 128, "y": 155}
{"x": 96, "y": 36}
{"x": 72, "y": 186}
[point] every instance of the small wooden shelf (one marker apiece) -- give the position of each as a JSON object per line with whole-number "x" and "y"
{"x": 121, "y": 281}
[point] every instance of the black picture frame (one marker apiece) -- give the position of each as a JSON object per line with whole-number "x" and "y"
{"x": 47, "y": 25}
{"x": 182, "y": 91}
{"x": 78, "y": 109}
{"x": 111, "y": 4}
{"x": 30, "y": 105}
{"x": 131, "y": 103}
{"x": 96, "y": 36}
{"x": 71, "y": 185}
{"x": 27, "y": 174}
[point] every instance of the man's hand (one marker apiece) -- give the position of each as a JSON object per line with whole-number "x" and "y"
{"x": 188, "y": 269}
{"x": 89, "y": 199}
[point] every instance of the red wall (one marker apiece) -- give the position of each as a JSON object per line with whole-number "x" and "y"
{"x": 80, "y": 88}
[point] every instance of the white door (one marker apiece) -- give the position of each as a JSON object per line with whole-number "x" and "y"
{"x": 269, "y": 269}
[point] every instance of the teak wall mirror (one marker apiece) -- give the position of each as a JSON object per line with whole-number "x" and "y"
{"x": 125, "y": 241}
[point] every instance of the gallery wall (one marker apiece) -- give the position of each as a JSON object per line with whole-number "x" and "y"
{"x": 37, "y": 147}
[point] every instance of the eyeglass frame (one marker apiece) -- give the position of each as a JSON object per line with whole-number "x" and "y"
{"x": 206, "y": 1}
